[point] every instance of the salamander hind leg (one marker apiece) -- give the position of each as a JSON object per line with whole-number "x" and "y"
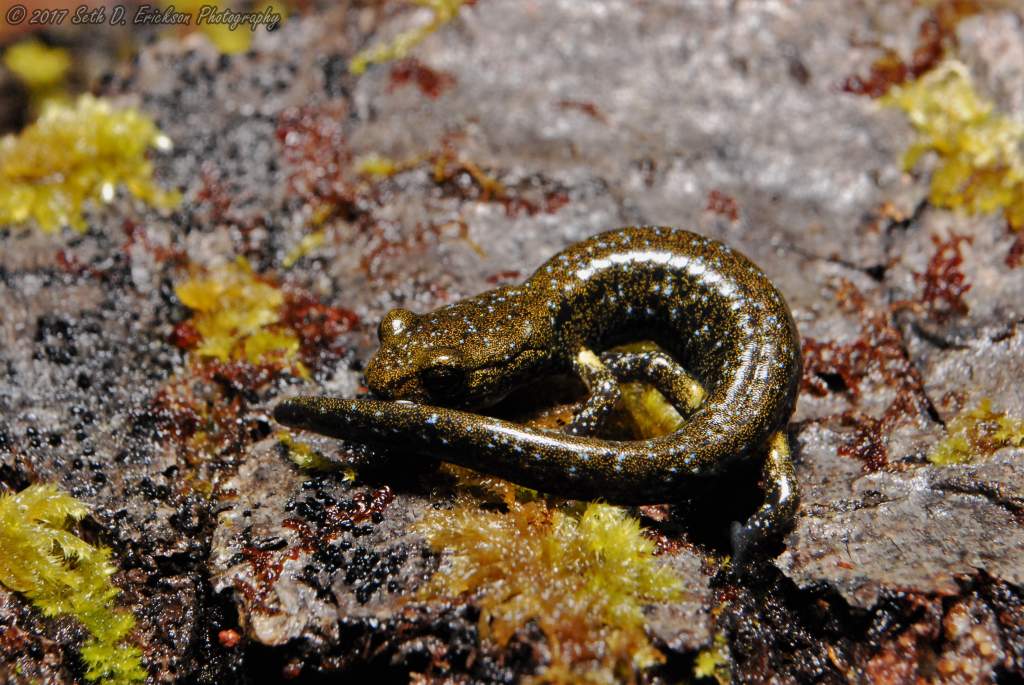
{"x": 604, "y": 394}
{"x": 775, "y": 517}
{"x": 662, "y": 371}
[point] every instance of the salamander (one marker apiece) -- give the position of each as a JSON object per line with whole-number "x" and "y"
{"x": 713, "y": 311}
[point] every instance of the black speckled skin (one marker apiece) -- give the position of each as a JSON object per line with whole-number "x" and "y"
{"x": 710, "y": 306}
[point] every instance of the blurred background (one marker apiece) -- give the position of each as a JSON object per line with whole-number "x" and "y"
{"x": 57, "y": 56}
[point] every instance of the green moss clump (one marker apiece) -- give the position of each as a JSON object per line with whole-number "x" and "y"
{"x": 583, "y": 579}
{"x": 304, "y": 456}
{"x": 36, "y": 64}
{"x": 309, "y": 242}
{"x": 227, "y": 39}
{"x": 713, "y": 662}
{"x": 976, "y": 433}
{"x": 444, "y": 11}
{"x": 73, "y": 154}
{"x": 64, "y": 575}
{"x": 42, "y": 69}
{"x": 473, "y": 488}
{"x": 581, "y": 573}
{"x": 238, "y": 316}
{"x": 379, "y": 166}
{"x": 981, "y": 168}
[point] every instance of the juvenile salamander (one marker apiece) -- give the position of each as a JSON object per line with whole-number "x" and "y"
{"x": 711, "y": 307}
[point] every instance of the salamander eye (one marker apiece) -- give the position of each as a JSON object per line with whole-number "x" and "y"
{"x": 442, "y": 370}
{"x": 394, "y": 322}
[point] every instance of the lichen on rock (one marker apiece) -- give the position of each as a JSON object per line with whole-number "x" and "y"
{"x": 977, "y": 433}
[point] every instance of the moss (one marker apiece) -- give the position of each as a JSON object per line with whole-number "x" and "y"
{"x": 944, "y": 283}
{"x": 304, "y": 456}
{"x": 650, "y": 413}
{"x": 379, "y": 167}
{"x": 205, "y": 411}
{"x": 36, "y": 64}
{"x": 245, "y": 335}
{"x": 309, "y": 242}
{"x": 490, "y": 187}
{"x": 978, "y": 432}
{"x": 443, "y": 10}
{"x": 446, "y": 165}
{"x": 723, "y": 204}
{"x": 713, "y": 662}
{"x": 238, "y": 316}
{"x": 41, "y": 68}
{"x": 475, "y": 487}
{"x": 73, "y": 154}
{"x": 241, "y": 341}
{"x": 227, "y": 40}
{"x": 64, "y": 575}
{"x": 877, "y": 357}
{"x": 582, "y": 579}
{"x": 980, "y": 165}
{"x": 430, "y": 82}
{"x": 580, "y": 573}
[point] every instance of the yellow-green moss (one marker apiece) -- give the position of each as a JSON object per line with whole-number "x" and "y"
{"x": 444, "y": 11}
{"x": 227, "y": 40}
{"x": 378, "y": 166}
{"x": 581, "y": 573}
{"x": 73, "y": 154}
{"x": 303, "y": 455}
{"x": 583, "y": 579}
{"x": 980, "y": 164}
{"x": 309, "y": 242}
{"x": 41, "y": 68}
{"x": 238, "y": 316}
{"x": 977, "y": 433}
{"x": 64, "y": 575}
{"x": 713, "y": 662}
{"x": 445, "y": 165}
{"x": 307, "y": 458}
{"x": 475, "y": 487}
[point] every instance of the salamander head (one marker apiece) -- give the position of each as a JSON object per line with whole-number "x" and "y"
{"x": 467, "y": 354}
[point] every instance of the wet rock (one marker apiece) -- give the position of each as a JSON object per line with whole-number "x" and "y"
{"x": 988, "y": 366}
{"x": 31, "y": 647}
{"x": 919, "y": 529}
{"x": 944, "y": 250}
{"x": 301, "y": 552}
{"x": 685, "y": 625}
{"x": 993, "y": 46}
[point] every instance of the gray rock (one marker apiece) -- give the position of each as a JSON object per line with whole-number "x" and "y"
{"x": 917, "y": 530}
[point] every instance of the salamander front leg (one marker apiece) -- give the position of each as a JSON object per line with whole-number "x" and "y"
{"x": 660, "y": 370}
{"x": 604, "y": 394}
{"x": 775, "y": 517}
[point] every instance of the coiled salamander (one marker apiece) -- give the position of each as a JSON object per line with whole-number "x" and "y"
{"x": 711, "y": 307}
